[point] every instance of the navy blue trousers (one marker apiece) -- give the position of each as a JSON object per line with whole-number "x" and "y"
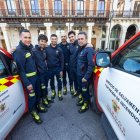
{"x": 84, "y": 88}
{"x": 73, "y": 75}
{"x": 44, "y": 77}
{"x": 34, "y": 96}
{"x": 55, "y": 72}
{"x": 66, "y": 72}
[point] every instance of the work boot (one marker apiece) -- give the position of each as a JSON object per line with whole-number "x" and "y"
{"x": 36, "y": 117}
{"x": 65, "y": 90}
{"x": 80, "y": 103}
{"x": 60, "y": 96}
{"x": 45, "y": 102}
{"x": 49, "y": 99}
{"x": 75, "y": 94}
{"x": 53, "y": 94}
{"x": 80, "y": 97}
{"x": 71, "y": 90}
{"x": 41, "y": 108}
{"x": 84, "y": 108}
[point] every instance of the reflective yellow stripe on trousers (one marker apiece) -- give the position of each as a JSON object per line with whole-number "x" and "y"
{"x": 31, "y": 74}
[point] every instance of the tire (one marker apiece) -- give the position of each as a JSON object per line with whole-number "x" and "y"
{"x": 93, "y": 105}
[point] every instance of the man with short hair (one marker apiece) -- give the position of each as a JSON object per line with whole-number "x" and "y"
{"x": 28, "y": 72}
{"x": 55, "y": 63}
{"x": 85, "y": 67}
{"x": 39, "y": 53}
{"x": 64, "y": 45}
{"x": 73, "y": 62}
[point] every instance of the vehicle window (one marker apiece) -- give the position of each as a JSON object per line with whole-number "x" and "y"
{"x": 3, "y": 71}
{"x": 129, "y": 59}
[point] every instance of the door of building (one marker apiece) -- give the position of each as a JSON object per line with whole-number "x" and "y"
{"x": 3, "y": 44}
{"x": 93, "y": 42}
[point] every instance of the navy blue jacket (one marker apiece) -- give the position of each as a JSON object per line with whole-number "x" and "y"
{"x": 55, "y": 57}
{"x": 65, "y": 48}
{"x": 85, "y": 62}
{"x": 25, "y": 61}
{"x": 40, "y": 59}
{"x": 73, "y": 55}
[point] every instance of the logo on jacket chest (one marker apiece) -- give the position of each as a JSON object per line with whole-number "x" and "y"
{"x": 81, "y": 53}
{"x": 57, "y": 52}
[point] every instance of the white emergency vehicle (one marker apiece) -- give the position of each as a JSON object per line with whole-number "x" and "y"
{"x": 117, "y": 90}
{"x": 13, "y": 101}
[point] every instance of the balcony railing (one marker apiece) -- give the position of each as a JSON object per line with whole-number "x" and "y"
{"x": 48, "y": 13}
{"x": 126, "y": 14}
{"x": 52, "y": 13}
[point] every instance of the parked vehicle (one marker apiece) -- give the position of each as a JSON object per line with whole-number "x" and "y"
{"x": 13, "y": 101}
{"x": 116, "y": 87}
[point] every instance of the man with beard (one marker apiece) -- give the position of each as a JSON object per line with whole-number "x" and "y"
{"x": 64, "y": 45}
{"x": 55, "y": 63}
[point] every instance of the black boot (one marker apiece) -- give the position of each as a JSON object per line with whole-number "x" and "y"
{"x": 80, "y": 103}
{"x": 75, "y": 94}
{"x": 71, "y": 90}
{"x": 45, "y": 102}
{"x": 49, "y": 99}
{"x": 80, "y": 97}
{"x": 53, "y": 94}
{"x": 60, "y": 96}
{"x": 36, "y": 117}
{"x": 64, "y": 90}
{"x": 84, "y": 108}
{"x": 41, "y": 108}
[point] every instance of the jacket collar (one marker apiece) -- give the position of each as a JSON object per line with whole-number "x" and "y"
{"x": 25, "y": 46}
{"x": 39, "y": 48}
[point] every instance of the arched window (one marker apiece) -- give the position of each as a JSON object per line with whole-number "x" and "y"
{"x": 130, "y": 32}
{"x": 115, "y": 37}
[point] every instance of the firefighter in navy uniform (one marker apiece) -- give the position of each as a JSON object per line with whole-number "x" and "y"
{"x": 55, "y": 63}
{"x": 85, "y": 67}
{"x": 28, "y": 72}
{"x": 39, "y": 53}
{"x": 64, "y": 45}
{"x": 73, "y": 63}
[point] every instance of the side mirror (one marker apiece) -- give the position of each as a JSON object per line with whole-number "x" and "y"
{"x": 103, "y": 59}
{"x": 14, "y": 68}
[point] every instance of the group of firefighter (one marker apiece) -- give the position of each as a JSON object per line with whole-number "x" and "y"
{"x": 42, "y": 63}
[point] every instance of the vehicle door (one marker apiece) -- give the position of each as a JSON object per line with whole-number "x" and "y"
{"x": 12, "y": 100}
{"x": 119, "y": 92}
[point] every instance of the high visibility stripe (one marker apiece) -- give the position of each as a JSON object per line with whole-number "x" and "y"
{"x": 27, "y": 55}
{"x": 43, "y": 87}
{"x": 32, "y": 94}
{"x": 31, "y": 74}
{"x": 84, "y": 89}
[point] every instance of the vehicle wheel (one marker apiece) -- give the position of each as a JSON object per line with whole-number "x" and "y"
{"x": 93, "y": 105}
